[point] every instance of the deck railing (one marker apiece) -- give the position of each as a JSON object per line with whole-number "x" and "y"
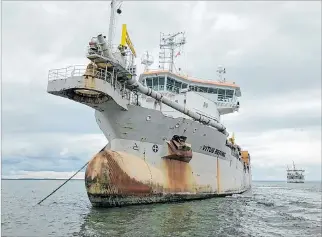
{"x": 81, "y": 70}
{"x": 78, "y": 70}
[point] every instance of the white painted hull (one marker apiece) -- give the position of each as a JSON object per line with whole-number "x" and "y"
{"x": 142, "y": 144}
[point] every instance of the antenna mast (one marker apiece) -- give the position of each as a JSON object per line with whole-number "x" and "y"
{"x": 221, "y": 70}
{"x": 115, "y": 7}
{"x": 168, "y": 44}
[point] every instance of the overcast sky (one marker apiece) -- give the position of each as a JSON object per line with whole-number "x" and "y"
{"x": 271, "y": 49}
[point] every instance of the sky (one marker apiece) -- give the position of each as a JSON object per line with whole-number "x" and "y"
{"x": 271, "y": 49}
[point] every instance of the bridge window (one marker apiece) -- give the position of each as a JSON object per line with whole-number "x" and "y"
{"x": 149, "y": 82}
{"x": 203, "y": 89}
{"x": 212, "y": 90}
{"x": 174, "y": 86}
{"x": 161, "y": 83}
{"x": 170, "y": 84}
{"x": 178, "y": 84}
{"x": 229, "y": 93}
{"x": 221, "y": 94}
{"x": 155, "y": 83}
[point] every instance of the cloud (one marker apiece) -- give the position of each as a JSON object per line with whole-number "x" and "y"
{"x": 271, "y": 49}
{"x": 299, "y": 109}
{"x": 49, "y": 151}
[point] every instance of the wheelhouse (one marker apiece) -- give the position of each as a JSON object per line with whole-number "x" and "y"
{"x": 165, "y": 81}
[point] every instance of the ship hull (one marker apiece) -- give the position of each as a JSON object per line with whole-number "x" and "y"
{"x": 108, "y": 201}
{"x": 115, "y": 179}
{"x": 136, "y": 167}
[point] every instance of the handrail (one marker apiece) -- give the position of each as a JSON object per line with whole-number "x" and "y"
{"x": 78, "y": 70}
{"x": 82, "y": 70}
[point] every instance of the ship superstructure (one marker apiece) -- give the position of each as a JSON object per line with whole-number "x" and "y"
{"x": 295, "y": 175}
{"x": 165, "y": 138}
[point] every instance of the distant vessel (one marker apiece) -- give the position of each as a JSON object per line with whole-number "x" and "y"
{"x": 165, "y": 139}
{"x": 295, "y": 175}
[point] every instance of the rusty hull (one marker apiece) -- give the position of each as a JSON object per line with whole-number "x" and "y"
{"x": 117, "y": 179}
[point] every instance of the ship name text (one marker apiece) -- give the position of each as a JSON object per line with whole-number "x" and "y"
{"x": 213, "y": 150}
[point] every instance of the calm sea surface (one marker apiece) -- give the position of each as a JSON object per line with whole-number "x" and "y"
{"x": 270, "y": 209}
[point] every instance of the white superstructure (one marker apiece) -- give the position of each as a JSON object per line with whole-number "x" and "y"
{"x": 164, "y": 130}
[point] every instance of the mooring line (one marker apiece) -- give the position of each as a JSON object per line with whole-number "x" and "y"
{"x": 63, "y": 183}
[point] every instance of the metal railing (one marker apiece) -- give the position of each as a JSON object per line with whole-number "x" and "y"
{"x": 78, "y": 70}
{"x": 82, "y": 70}
{"x": 63, "y": 73}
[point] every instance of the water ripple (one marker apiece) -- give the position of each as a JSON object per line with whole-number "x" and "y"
{"x": 270, "y": 209}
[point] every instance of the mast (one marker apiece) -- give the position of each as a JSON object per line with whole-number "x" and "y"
{"x": 168, "y": 44}
{"x": 221, "y": 70}
{"x": 114, "y": 8}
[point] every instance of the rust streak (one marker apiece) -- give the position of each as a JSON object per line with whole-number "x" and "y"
{"x": 178, "y": 176}
{"x": 104, "y": 172}
{"x": 218, "y": 176}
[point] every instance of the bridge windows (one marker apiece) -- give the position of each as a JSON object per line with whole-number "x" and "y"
{"x": 221, "y": 94}
{"x": 199, "y": 89}
{"x": 161, "y": 83}
{"x": 149, "y": 82}
{"x": 177, "y": 85}
{"x": 229, "y": 94}
{"x": 213, "y": 90}
{"x": 170, "y": 84}
{"x": 174, "y": 85}
{"x": 155, "y": 83}
{"x": 203, "y": 89}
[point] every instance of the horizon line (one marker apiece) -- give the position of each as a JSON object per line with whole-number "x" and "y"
{"x": 84, "y": 179}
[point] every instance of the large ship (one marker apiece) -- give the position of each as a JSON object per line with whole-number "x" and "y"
{"x": 295, "y": 175}
{"x": 165, "y": 139}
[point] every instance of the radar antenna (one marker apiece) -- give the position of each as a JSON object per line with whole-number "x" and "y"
{"x": 168, "y": 44}
{"x": 221, "y": 70}
{"x": 147, "y": 60}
